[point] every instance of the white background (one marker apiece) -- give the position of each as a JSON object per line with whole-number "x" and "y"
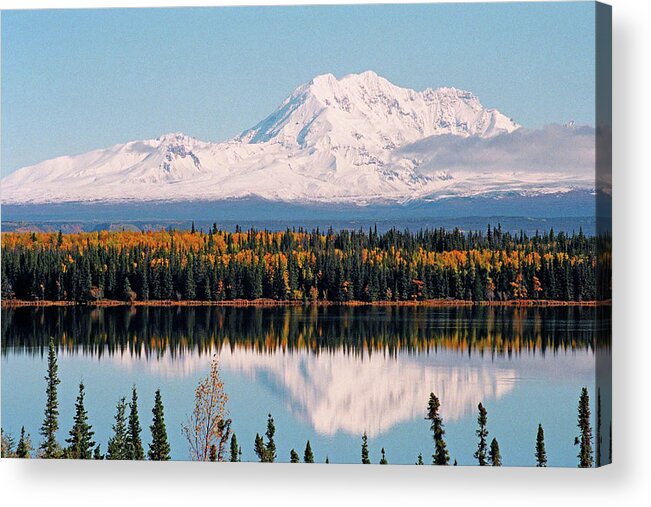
{"x": 626, "y": 482}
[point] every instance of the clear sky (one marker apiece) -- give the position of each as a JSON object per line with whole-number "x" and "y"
{"x": 76, "y": 80}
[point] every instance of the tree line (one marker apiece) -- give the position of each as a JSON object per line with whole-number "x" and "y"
{"x": 301, "y": 265}
{"x": 209, "y": 436}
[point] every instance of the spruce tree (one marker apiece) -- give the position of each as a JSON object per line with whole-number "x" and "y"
{"x": 97, "y": 453}
{"x": 294, "y": 457}
{"x": 482, "y": 433}
{"x": 159, "y": 448}
{"x": 235, "y": 449}
{"x": 541, "y": 454}
{"x": 365, "y": 458}
{"x": 117, "y": 444}
{"x": 260, "y": 449}
{"x": 81, "y": 435}
{"x": 494, "y": 454}
{"x": 24, "y": 447}
{"x": 383, "y": 459}
{"x": 49, "y": 446}
{"x": 441, "y": 455}
{"x": 419, "y": 461}
{"x": 327, "y": 460}
{"x": 135, "y": 450}
{"x": 585, "y": 429}
{"x": 271, "y": 445}
{"x": 308, "y": 455}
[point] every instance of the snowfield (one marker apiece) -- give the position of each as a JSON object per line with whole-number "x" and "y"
{"x": 359, "y": 139}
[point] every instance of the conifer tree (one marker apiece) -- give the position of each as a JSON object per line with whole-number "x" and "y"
{"x": 482, "y": 433}
{"x": 235, "y": 449}
{"x": 49, "y": 446}
{"x": 441, "y": 455}
{"x": 117, "y": 444}
{"x": 270, "y": 448}
{"x": 494, "y": 454}
{"x": 308, "y": 455}
{"x": 585, "y": 430}
{"x": 419, "y": 461}
{"x": 24, "y": 447}
{"x": 383, "y": 459}
{"x": 541, "y": 454}
{"x": 455, "y": 462}
{"x": 294, "y": 457}
{"x": 260, "y": 449}
{"x": 135, "y": 450}
{"x": 327, "y": 460}
{"x": 365, "y": 458}
{"x": 159, "y": 448}
{"x": 81, "y": 435}
{"x": 97, "y": 453}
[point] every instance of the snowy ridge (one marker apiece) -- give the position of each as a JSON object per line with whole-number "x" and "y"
{"x": 331, "y": 140}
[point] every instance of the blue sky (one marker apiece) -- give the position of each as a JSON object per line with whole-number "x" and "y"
{"x": 73, "y": 81}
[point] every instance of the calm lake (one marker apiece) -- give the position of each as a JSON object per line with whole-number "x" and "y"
{"x": 326, "y": 374}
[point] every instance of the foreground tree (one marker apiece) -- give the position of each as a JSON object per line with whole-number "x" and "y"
{"x": 383, "y": 459}
{"x": 7, "y": 445}
{"x": 24, "y": 447}
{"x": 159, "y": 448}
{"x": 97, "y": 453}
{"x": 541, "y": 454}
{"x": 135, "y": 450}
{"x": 294, "y": 457}
{"x": 236, "y": 451}
{"x": 308, "y": 455}
{"x": 117, "y": 444}
{"x": 208, "y": 426}
{"x": 494, "y": 455}
{"x": 271, "y": 444}
{"x": 419, "y": 460}
{"x": 482, "y": 433}
{"x": 49, "y": 446}
{"x": 365, "y": 458}
{"x": 585, "y": 431}
{"x": 441, "y": 455}
{"x": 80, "y": 443}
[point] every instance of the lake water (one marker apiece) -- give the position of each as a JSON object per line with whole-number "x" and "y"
{"x": 326, "y": 374}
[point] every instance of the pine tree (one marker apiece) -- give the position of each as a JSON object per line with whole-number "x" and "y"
{"x": 294, "y": 457}
{"x": 270, "y": 448}
{"x": 50, "y": 447}
{"x": 97, "y": 453}
{"x": 383, "y": 459}
{"x": 419, "y": 461}
{"x": 24, "y": 447}
{"x": 117, "y": 444}
{"x": 159, "y": 448}
{"x": 585, "y": 429}
{"x": 81, "y": 435}
{"x": 482, "y": 433}
{"x": 235, "y": 449}
{"x": 327, "y": 460}
{"x": 441, "y": 455}
{"x": 365, "y": 458}
{"x": 541, "y": 454}
{"x": 308, "y": 455}
{"x": 494, "y": 455}
{"x": 135, "y": 450}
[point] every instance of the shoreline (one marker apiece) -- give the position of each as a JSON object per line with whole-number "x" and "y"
{"x": 106, "y": 303}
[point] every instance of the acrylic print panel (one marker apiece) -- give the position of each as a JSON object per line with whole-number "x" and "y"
{"x": 383, "y": 236}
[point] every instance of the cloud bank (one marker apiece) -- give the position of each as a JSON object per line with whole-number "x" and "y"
{"x": 565, "y": 151}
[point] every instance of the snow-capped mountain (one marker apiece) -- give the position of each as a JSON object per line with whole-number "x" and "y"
{"x": 331, "y": 140}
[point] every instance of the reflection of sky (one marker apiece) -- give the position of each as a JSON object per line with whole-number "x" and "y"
{"x": 330, "y": 398}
